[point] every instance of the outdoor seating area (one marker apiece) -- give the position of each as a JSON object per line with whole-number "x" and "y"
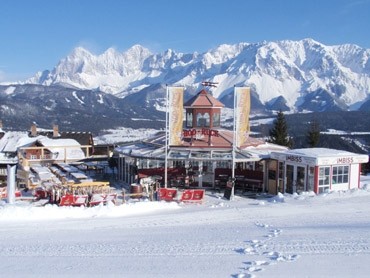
{"x": 65, "y": 184}
{"x": 245, "y": 180}
{"x": 165, "y": 194}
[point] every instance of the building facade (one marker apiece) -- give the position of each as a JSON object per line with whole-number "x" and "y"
{"x": 205, "y": 155}
{"x": 315, "y": 169}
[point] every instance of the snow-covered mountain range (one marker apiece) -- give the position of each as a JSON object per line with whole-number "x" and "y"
{"x": 303, "y": 75}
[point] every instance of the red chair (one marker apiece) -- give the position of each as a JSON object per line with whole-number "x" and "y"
{"x": 96, "y": 199}
{"x": 73, "y": 200}
{"x": 167, "y": 194}
{"x": 192, "y": 196}
{"x": 198, "y": 195}
{"x": 171, "y": 194}
{"x": 66, "y": 200}
{"x": 4, "y": 193}
{"x": 80, "y": 200}
{"x": 162, "y": 193}
{"x": 187, "y": 195}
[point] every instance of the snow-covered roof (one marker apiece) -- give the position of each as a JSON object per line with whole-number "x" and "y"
{"x": 264, "y": 150}
{"x": 10, "y": 142}
{"x": 48, "y": 142}
{"x": 142, "y": 150}
{"x": 321, "y": 152}
{"x": 254, "y": 150}
{"x": 63, "y": 147}
{"x": 43, "y": 173}
{"x": 13, "y": 140}
{"x": 320, "y": 156}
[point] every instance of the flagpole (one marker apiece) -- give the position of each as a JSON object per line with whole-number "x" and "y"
{"x": 233, "y": 149}
{"x": 166, "y": 140}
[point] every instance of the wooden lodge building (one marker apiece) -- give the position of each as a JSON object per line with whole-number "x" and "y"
{"x": 201, "y": 154}
{"x": 41, "y": 148}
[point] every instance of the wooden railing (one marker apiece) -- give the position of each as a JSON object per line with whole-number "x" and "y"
{"x": 26, "y": 156}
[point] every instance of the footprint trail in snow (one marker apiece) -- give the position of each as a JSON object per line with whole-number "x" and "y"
{"x": 259, "y": 247}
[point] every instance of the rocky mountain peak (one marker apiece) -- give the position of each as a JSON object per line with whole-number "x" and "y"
{"x": 286, "y": 69}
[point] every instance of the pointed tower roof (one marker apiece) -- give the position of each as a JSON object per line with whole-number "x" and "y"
{"x": 203, "y": 99}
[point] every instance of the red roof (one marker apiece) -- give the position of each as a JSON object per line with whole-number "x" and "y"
{"x": 203, "y": 99}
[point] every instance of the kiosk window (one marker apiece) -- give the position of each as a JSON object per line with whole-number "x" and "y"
{"x": 340, "y": 174}
{"x": 324, "y": 179}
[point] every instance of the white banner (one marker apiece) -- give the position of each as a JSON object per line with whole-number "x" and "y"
{"x": 175, "y": 114}
{"x": 242, "y": 106}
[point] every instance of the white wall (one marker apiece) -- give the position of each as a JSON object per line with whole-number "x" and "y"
{"x": 354, "y": 176}
{"x": 353, "y": 179}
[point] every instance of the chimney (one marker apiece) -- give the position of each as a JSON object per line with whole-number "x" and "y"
{"x": 33, "y": 130}
{"x": 55, "y": 131}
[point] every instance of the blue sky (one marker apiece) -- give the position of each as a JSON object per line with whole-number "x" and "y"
{"x": 36, "y": 34}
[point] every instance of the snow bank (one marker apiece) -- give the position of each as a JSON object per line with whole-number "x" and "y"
{"x": 25, "y": 212}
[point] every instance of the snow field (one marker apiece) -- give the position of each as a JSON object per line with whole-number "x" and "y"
{"x": 284, "y": 236}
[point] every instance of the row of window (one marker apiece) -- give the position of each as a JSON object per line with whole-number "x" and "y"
{"x": 339, "y": 175}
{"x": 203, "y": 120}
{"x": 46, "y": 156}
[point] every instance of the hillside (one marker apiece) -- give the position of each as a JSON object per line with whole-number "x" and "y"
{"x": 340, "y": 130}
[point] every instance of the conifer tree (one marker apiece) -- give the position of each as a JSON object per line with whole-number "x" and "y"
{"x": 313, "y": 134}
{"x": 279, "y": 132}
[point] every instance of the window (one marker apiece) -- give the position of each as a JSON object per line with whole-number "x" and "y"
{"x": 340, "y": 174}
{"x": 281, "y": 170}
{"x": 207, "y": 166}
{"x": 203, "y": 120}
{"x": 189, "y": 120}
{"x": 223, "y": 164}
{"x": 310, "y": 181}
{"x": 33, "y": 156}
{"x": 324, "y": 179}
{"x": 281, "y": 177}
{"x": 216, "y": 120}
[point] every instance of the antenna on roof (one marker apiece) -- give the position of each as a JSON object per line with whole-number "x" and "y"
{"x": 209, "y": 84}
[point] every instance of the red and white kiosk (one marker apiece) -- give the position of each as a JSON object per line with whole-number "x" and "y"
{"x": 314, "y": 169}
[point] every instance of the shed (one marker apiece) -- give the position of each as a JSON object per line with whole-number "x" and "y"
{"x": 315, "y": 169}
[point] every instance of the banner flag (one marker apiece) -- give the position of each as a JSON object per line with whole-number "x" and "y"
{"x": 175, "y": 117}
{"x": 242, "y": 107}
